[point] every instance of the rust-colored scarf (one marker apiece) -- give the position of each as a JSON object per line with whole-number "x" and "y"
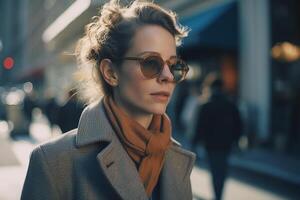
{"x": 145, "y": 147}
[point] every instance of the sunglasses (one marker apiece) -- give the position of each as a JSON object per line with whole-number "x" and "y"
{"x": 153, "y": 64}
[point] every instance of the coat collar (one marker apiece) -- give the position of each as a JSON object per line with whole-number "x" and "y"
{"x": 94, "y": 127}
{"x": 175, "y": 175}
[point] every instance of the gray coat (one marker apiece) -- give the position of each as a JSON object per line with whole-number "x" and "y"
{"x": 90, "y": 163}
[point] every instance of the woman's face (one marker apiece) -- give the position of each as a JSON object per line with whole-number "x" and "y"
{"x": 136, "y": 93}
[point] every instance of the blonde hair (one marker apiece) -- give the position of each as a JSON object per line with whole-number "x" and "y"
{"x": 109, "y": 36}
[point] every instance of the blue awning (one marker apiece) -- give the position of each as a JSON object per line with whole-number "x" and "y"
{"x": 214, "y": 27}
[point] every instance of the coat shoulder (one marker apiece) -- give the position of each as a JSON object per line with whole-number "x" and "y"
{"x": 64, "y": 142}
{"x": 59, "y": 148}
{"x": 178, "y": 149}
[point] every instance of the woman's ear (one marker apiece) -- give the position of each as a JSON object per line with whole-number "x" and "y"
{"x": 108, "y": 72}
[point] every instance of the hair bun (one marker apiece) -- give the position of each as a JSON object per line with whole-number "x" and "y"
{"x": 111, "y": 14}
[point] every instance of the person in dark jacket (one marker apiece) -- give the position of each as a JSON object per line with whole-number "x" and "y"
{"x": 50, "y": 107}
{"x": 218, "y": 127}
{"x": 3, "y": 114}
{"x": 68, "y": 114}
{"x": 123, "y": 147}
{"x": 30, "y": 102}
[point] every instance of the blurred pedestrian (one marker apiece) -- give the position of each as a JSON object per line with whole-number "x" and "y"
{"x": 122, "y": 148}
{"x": 190, "y": 110}
{"x": 68, "y": 114}
{"x": 51, "y": 108}
{"x": 3, "y": 114}
{"x": 294, "y": 130}
{"x": 218, "y": 127}
{"x": 29, "y": 103}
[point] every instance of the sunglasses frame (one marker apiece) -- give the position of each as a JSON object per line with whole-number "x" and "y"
{"x": 170, "y": 64}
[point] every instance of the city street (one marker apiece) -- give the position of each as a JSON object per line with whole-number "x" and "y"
{"x": 14, "y": 162}
{"x": 226, "y": 73}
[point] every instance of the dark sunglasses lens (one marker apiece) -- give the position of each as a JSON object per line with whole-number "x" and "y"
{"x": 151, "y": 66}
{"x": 179, "y": 71}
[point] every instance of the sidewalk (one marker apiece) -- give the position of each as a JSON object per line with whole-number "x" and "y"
{"x": 269, "y": 163}
{"x": 7, "y": 155}
{"x": 14, "y": 160}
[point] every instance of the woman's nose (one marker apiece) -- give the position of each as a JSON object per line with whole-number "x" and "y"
{"x": 166, "y": 75}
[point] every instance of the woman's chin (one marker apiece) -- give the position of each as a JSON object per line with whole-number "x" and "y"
{"x": 157, "y": 109}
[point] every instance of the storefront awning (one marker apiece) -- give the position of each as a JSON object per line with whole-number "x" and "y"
{"x": 213, "y": 27}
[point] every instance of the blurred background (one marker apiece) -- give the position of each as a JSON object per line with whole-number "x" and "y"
{"x": 253, "y": 45}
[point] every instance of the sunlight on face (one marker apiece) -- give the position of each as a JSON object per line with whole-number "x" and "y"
{"x": 141, "y": 94}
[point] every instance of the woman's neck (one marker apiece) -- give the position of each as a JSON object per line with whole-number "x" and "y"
{"x": 144, "y": 119}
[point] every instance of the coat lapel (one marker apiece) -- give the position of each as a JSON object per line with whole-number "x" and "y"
{"x": 113, "y": 159}
{"x": 121, "y": 172}
{"x": 175, "y": 176}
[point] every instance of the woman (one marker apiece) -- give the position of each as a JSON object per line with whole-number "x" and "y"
{"x": 122, "y": 148}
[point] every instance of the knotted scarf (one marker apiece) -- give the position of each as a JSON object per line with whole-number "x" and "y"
{"x": 146, "y": 147}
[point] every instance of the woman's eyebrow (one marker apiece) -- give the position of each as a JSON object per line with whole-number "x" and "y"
{"x": 148, "y": 52}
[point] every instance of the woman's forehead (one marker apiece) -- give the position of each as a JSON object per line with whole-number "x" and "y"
{"x": 153, "y": 38}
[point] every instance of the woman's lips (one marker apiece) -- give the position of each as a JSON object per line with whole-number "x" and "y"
{"x": 161, "y": 96}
